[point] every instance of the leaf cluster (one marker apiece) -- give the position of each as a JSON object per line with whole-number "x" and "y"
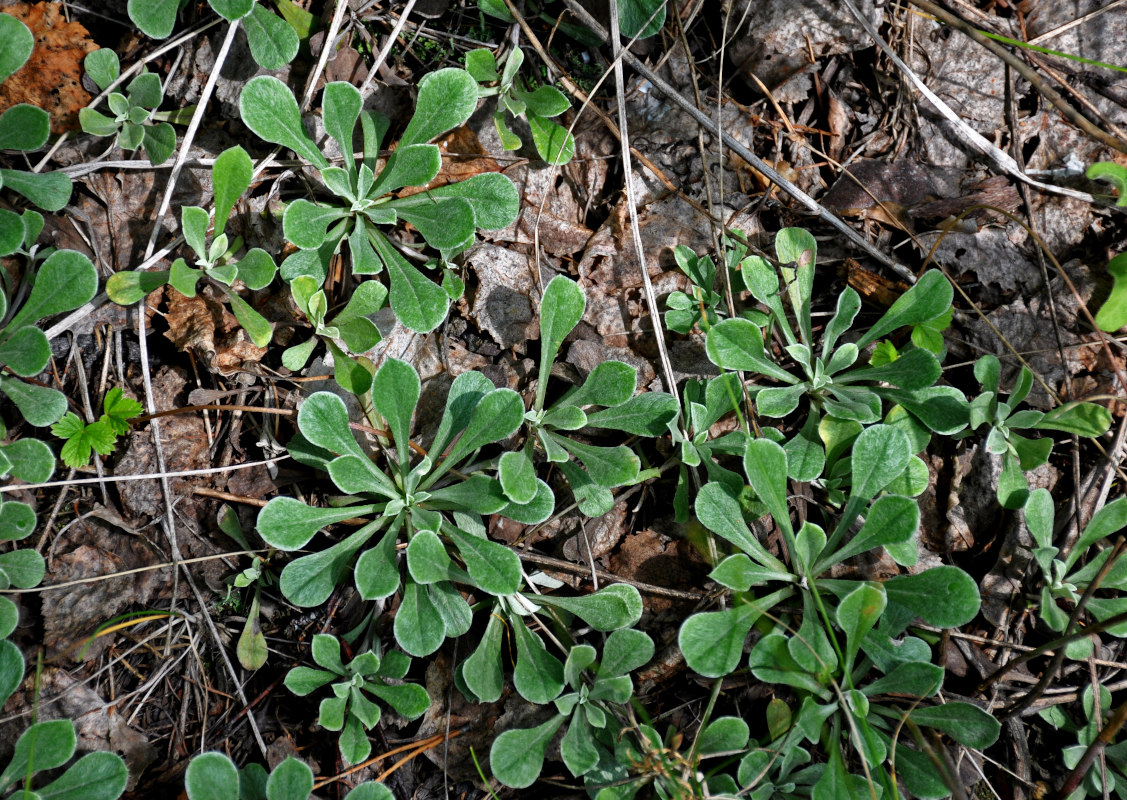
{"x": 98, "y": 437}
{"x": 213, "y": 776}
{"x": 50, "y": 745}
{"x": 134, "y": 113}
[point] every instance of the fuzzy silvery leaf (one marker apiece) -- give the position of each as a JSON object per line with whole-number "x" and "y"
{"x": 447, "y": 223}
{"x": 18, "y": 44}
{"x": 257, "y": 269}
{"x": 608, "y": 466}
{"x": 193, "y": 225}
{"x": 17, "y": 521}
{"x": 258, "y": 329}
{"x": 880, "y": 454}
{"x": 942, "y": 596}
{"x": 914, "y": 678}
{"x": 465, "y": 393}
{"x": 306, "y": 224}
{"x": 211, "y": 776}
{"x": 1083, "y": 419}
{"x": 341, "y": 104}
{"x": 965, "y": 723}
{"x": 273, "y": 42}
{"x": 24, "y": 127}
{"x": 268, "y": 108}
{"x": 720, "y": 513}
{"x": 183, "y": 278}
{"x": 857, "y": 613}
{"x": 737, "y": 344}
{"x": 625, "y": 650}
{"x": 577, "y": 748}
{"x": 447, "y": 98}
{"x": 593, "y": 499}
{"x": 616, "y": 606}
{"x": 65, "y": 281}
{"x": 43, "y": 746}
{"x": 765, "y": 464}
{"x": 11, "y": 669}
{"x": 26, "y": 352}
{"x": 377, "y": 573}
{"x": 412, "y": 165}
{"x": 552, "y": 141}
{"x": 806, "y": 458}
{"x": 518, "y": 476}
{"x": 482, "y": 66}
{"x": 231, "y": 176}
{"x": 914, "y": 369}
{"x": 309, "y": 580}
{"x": 797, "y": 251}
{"x": 494, "y": 568}
{"x": 482, "y": 670}
{"x": 323, "y": 419}
{"x": 538, "y": 675}
{"x": 11, "y": 233}
{"x": 498, "y": 414}
{"x": 561, "y": 308}
{"x": 641, "y": 18}
{"x": 891, "y": 520}
{"x": 1108, "y": 520}
{"x": 564, "y": 418}
{"x": 713, "y": 641}
{"x": 723, "y": 735}
{"x": 738, "y": 573}
{"x": 418, "y": 626}
{"x": 289, "y": 524}
{"x": 610, "y": 383}
{"x": 145, "y": 91}
{"x": 159, "y": 141}
{"x": 546, "y": 101}
{"x": 395, "y": 393}
{"x": 127, "y": 288}
{"x": 455, "y": 612}
{"x": 778, "y": 401}
{"x": 772, "y": 661}
{"x": 232, "y": 10}
{"x": 930, "y": 297}
{"x": 427, "y": 560}
{"x": 534, "y": 512}
{"x": 1039, "y": 517}
{"x": 418, "y": 302}
{"x": 39, "y": 405}
{"x": 848, "y": 304}
{"x": 517, "y": 756}
{"x": 493, "y": 199}
{"x": 647, "y": 414}
{"x": 29, "y": 460}
{"x": 48, "y": 190}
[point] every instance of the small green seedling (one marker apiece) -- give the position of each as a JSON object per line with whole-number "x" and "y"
{"x": 1066, "y": 579}
{"x": 589, "y": 709}
{"x": 135, "y": 119}
{"x": 349, "y": 710}
{"x": 1020, "y": 453}
{"x": 98, "y": 437}
{"x": 26, "y": 128}
{"x": 1113, "y": 313}
{"x": 51, "y": 745}
{"x": 611, "y": 385}
{"x": 446, "y": 217}
{"x": 213, "y": 776}
{"x": 231, "y": 175}
{"x": 273, "y": 41}
{"x": 1113, "y": 756}
{"x": 552, "y": 141}
{"x": 1113, "y": 173}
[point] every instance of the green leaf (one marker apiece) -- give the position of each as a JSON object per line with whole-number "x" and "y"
{"x": 482, "y": 66}
{"x": 518, "y": 476}
{"x": 102, "y": 66}
{"x": 738, "y": 573}
{"x": 608, "y": 466}
{"x": 251, "y": 647}
{"x": 11, "y": 667}
{"x": 145, "y": 93}
{"x": 616, "y": 606}
{"x": 18, "y": 44}
{"x": 914, "y": 369}
{"x": 546, "y": 101}
{"x": 737, "y": 344}
{"x": 492, "y": 197}
{"x": 323, "y": 419}
{"x": 771, "y": 661}
{"x": 891, "y": 520}
{"x": 561, "y": 308}
{"x": 447, "y": 98}
{"x": 341, "y": 104}
{"x": 159, "y": 141}
{"x": 880, "y": 454}
{"x": 193, "y": 224}
{"x": 26, "y": 351}
{"x": 11, "y": 233}
{"x": 765, "y": 463}
{"x": 418, "y": 626}
{"x": 410, "y": 165}
{"x": 577, "y": 748}
{"x": 1083, "y": 419}
{"x": 419, "y": 303}
{"x": 95, "y": 776}
{"x": 306, "y": 224}
{"x": 538, "y": 675}
{"x": 720, "y": 513}
{"x": 456, "y": 614}
{"x": 553, "y": 143}
{"x": 930, "y": 297}
{"x": 127, "y": 288}
{"x": 377, "y": 574}
{"x": 647, "y": 414}
{"x": 965, "y": 723}
{"x": 273, "y": 42}
{"x": 1112, "y": 315}
{"x": 269, "y": 109}
{"x": 610, "y": 383}
{"x": 97, "y": 436}
{"x": 778, "y": 401}
{"x": 482, "y": 670}
{"x": 395, "y": 393}
{"x": 258, "y": 329}
{"x": 24, "y": 127}
{"x": 942, "y": 596}
{"x": 155, "y": 18}
{"x": 534, "y": 512}
{"x": 48, "y": 190}
{"x": 625, "y": 650}
{"x": 723, "y": 735}
{"x": 713, "y": 641}
{"x": 494, "y": 568}
{"x": 290, "y": 780}
{"x": 1108, "y": 171}
{"x": 43, "y": 746}
{"x": 17, "y": 521}
{"x": 231, "y": 176}
{"x": 30, "y": 460}
{"x": 39, "y": 405}
{"x": 289, "y": 524}
{"x": 498, "y": 415}
{"x": 857, "y": 613}
{"x": 634, "y": 17}
{"x": 517, "y": 756}
{"x": 447, "y": 224}
{"x": 1108, "y": 520}
{"x": 913, "y": 678}
{"x": 65, "y": 281}
{"x": 309, "y": 581}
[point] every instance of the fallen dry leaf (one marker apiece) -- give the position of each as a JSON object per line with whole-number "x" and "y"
{"x": 52, "y": 77}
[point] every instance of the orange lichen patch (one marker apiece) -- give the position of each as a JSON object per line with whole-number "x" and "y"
{"x": 52, "y": 77}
